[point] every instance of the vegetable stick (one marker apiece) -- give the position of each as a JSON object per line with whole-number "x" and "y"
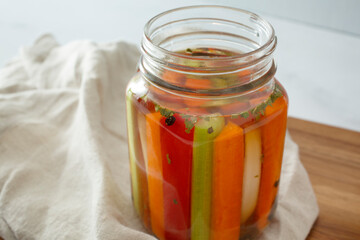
{"x": 142, "y": 132}
{"x": 142, "y": 178}
{"x": 155, "y": 175}
{"x": 227, "y": 183}
{"x": 131, "y": 126}
{"x": 273, "y": 137}
{"x": 137, "y": 161}
{"x": 196, "y": 84}
{"x": 234, "y": 107}
{"x": 177, "y": 154}
{"x": 205, "y": 131}
{"x": 252, "y": 173}
{"x": 173, "y": 77}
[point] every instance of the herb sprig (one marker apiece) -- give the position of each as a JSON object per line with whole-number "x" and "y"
{"x": 191, "y": 120}
{"x": 259, "y": 110}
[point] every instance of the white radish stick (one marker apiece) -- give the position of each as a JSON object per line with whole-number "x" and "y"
{"x": 252, "y": 173}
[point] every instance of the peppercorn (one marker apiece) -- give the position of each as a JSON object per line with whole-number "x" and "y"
{"x": 170, "y": 120}
{"x": 276, "y": 184}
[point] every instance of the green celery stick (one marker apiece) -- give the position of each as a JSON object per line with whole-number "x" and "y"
{"x": 206, "y": 130}
{"x": 130, "y": 119}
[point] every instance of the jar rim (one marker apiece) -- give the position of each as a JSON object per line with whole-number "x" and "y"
{"x": 271, "y": 39}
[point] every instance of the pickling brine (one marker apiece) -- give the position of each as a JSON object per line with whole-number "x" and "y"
{"x": 206, "y": 129}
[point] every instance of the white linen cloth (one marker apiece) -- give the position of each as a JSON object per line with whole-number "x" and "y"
{"x": 64, "y": 170}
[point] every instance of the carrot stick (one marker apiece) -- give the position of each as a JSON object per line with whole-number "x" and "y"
{"x": 227, "y": 183}
{"x": 136, "y": 124}
{"x": 196, "y": 84}
{"x": 273, "y": 137}
{"x": 155, "y": 175}
{"x": 173, "y": 77}
{"x": 176, "y": 154}
{"x": 234, "y": 107}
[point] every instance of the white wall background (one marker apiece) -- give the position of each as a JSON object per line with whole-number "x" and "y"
{"x": 318, "y": 53}
{"x": 339, "y": 15}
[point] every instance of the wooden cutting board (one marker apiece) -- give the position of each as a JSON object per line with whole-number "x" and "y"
{"x": 332, "y": 158}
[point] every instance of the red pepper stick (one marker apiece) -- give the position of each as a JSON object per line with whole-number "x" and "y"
{"x": 273, "y": 137}
{"x": 176, "y": 146}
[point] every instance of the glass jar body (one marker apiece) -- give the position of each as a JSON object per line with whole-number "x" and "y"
{"x": 206, "y": 129}
{"x": 210, "y": 170}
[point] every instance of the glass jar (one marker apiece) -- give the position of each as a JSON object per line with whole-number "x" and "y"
{"x": 206, "y": 125}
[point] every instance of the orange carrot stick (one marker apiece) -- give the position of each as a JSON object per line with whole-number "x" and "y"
{"x": 234, "y": 107}
{"x": 142, "y": 168}
{"x": 196, "y": 84}
{"x": 227, "y": 183}
{"x": 173, "y": 77}
{"x": 273, "y": 137}
{"x": 155, "y": 175}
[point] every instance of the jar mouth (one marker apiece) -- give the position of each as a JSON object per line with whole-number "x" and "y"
{"x": 249, "y": 39}
{"x": 152, "y": 45}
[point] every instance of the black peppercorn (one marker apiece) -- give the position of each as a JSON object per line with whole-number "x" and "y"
{"x": 276, "y": 184}
{"x": 170, "y": 120}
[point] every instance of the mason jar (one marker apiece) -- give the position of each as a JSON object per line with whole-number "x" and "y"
{"x": 206, "y": 123}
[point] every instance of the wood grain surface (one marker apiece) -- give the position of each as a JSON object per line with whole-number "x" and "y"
{"x": 332, "y": 158}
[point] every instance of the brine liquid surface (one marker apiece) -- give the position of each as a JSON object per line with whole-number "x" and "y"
{"x": 200, "y": 171}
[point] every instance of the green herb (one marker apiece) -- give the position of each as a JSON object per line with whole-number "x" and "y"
{"x": 157, "y": 107}
{"x": 175, "y": 201}
{"x": 189, "y": 122}
{"x": 188, "y": 50}
{"x": 163, "y": 111}
{"x": 276, "y": 94}
{"x": 166, "y": 112}
{"x": 259, "y": 110}
{"x": 256, "y": 176}
{"x": 168, "y": 159}
{"x": 244, "y": 114}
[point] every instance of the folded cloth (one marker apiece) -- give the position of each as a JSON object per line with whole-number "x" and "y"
{"x": 63, "y": 149}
